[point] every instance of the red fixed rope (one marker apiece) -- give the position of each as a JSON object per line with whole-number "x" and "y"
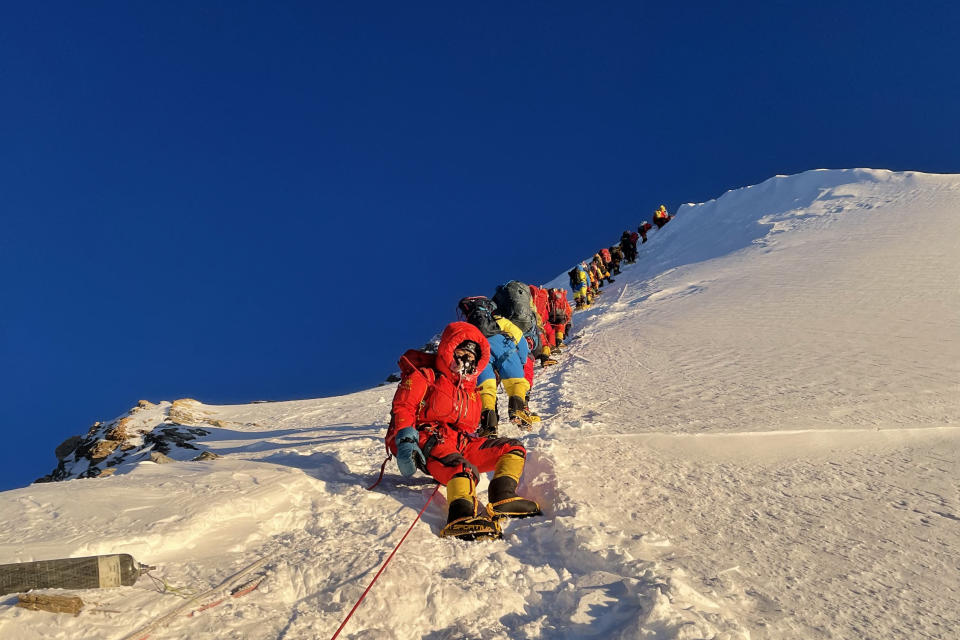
{"x": 384, "y": 565}
{"x": 382, "y": 468}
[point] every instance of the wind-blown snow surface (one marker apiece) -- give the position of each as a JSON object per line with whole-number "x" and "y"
{"x": 754, "y": 436}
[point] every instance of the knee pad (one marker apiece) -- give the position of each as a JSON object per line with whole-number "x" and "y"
{"x": 508, "y": 446}
{"x": 460, "y": 466}
{"x": 517, "y": 449}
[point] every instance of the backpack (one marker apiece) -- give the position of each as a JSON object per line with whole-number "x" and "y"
{"x": 514, "y": 303}
{"x": 605, "y": 254}
{"x": 574, "y": 279}
{"x": 557, "y": 312}
{"x": 541, "y": 301}
{"x": 412, "y": 363}
{"x": 478, "y": 311}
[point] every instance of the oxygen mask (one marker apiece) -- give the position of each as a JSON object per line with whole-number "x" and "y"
{"x": 464, "y": 364}
{"x": 465, "y": 358}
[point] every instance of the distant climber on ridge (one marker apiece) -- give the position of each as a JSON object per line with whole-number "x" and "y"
{"x": 642, "y": 230}
{"x": 616, "y": 257}
{"x": 559, "y": 314}
{"x": 629, "y": 247}
{"x": 661, "y": 217}
{"x": 602, "y": 268}
{"x": 596, "y": 277}
{"x": 580, "y": 284}
{"x": 547, "y": 335}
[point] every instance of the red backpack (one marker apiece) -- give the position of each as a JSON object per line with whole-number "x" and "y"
{"x": 558, "y": 310}
{"x": 605, "y": 254}
{"x": 412, "y": 363}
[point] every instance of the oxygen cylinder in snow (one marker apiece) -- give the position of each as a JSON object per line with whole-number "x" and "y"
{"x": 93, "y": 572}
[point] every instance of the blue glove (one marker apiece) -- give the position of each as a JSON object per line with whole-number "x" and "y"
{"x": 408, "y": 451}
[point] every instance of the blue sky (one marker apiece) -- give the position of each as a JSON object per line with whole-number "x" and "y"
{"x": 240, "y": 201}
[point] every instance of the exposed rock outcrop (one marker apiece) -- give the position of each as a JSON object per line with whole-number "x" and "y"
{"x": 68, "y": 446}
{"x": 119, "y": 432}
{"x": 164, "y": 432}
{"x": 101, "y": 449}
{"x": 187, "y": 411}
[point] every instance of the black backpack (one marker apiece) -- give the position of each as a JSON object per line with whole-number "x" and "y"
{"x": 478, "y": 311}
{"x": 574, "y": 279}
{"x": 514, "y": 302}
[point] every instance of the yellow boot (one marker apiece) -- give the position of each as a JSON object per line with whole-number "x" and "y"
{"x": 502, "y": 492}
{"x": 463, "y": 521}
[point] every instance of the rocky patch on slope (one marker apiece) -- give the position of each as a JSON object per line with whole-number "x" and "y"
{"x": 163, "y": 432}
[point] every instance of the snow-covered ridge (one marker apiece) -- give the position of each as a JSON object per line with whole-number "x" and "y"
{"x": 755, "y": 214}
{"x": 755, "y": 434}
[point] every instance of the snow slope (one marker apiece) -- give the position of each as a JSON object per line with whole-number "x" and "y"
{"x": 756, "y": 434}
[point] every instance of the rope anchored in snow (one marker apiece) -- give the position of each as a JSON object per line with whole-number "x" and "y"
{"x": 384, "y": 565}
{"x": 382, "y": 469}
{"x": 236, "y": 584}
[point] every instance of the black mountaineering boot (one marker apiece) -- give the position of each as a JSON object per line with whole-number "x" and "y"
{"x": 488, "y": 424}
{"x": 519, "y": 414}
{"x": 463, "y": 520}
{"x": 502, "y": 491}
{"x": 526, "y": 406}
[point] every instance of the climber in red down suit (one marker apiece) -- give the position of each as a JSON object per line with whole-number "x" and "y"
{"x": 436, "y": 411}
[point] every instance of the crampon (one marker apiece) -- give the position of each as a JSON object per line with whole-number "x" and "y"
{"x": 473, "y": 528}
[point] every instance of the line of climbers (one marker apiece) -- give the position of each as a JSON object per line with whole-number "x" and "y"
{"x": 444, "y": 418}
{"x": 586, "y": 278}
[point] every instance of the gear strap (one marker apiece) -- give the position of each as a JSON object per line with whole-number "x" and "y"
{"x": 495, "y": 514}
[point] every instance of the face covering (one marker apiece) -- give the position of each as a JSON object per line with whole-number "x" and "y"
{"x": 463, "y": 365}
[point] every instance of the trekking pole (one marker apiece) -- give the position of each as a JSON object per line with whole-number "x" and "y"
{"x": 384, "y": 565}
